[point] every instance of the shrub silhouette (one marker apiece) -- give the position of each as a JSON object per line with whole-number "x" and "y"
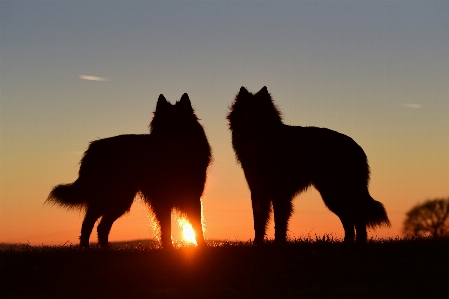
{"x": 166, "y": 167}
{"x": 429, "y": 218}
{"x": 280, "y": 161}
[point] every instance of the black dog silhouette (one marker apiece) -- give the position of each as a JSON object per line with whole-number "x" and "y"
{"x": 280, "y": 161}
{"x": 166, "y": 167}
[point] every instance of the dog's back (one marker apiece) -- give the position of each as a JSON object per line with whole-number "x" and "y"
{"x": 316, "y": 149}
{"x": 115, "y": 159}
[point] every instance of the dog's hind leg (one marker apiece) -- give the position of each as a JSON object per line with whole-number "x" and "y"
{"x": 348, "y": 226}
{"x": 354, "y": 217}
{"x": 338, "y": 202}
{"x": 282, "y": 208}
{"x": 120, "y": 203}
{"x": 104, "y": 227}
{"x": 92, "y": 214}
{"x": 361, "y": 234}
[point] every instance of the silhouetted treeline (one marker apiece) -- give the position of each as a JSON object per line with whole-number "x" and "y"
{"x": 428, "y": 218}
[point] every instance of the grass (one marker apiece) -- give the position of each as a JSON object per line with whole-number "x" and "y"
{"x": 318, "y": 268}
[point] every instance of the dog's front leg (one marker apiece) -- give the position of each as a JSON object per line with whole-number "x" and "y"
{"x": 261, "y": 213}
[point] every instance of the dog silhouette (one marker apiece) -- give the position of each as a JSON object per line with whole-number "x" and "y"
{"x": 280, "y": 161}
{"x": 166, "y": 167}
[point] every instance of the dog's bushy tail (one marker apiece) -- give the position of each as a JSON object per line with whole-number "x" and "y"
{"x": 375, "y": 214}
{"x": 67, "y": 196}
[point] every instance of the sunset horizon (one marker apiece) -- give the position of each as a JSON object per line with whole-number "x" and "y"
{"x": 73, "y": 73}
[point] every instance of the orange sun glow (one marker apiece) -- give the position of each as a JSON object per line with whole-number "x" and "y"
{"x": 188, "y": 233}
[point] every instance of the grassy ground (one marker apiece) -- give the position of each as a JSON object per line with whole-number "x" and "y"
{"x": 400, "y": 268}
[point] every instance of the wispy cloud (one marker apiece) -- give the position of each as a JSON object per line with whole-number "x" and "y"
{"x": 75, "y": 153}
{"x": 415, "y": 106}
{"x": 93, "y": 78}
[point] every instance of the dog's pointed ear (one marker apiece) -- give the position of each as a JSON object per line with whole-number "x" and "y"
{"x": 162, "y": 103}
{"x": 243, "y": 94}
{"x": 243, "y": 91}
{"x": 263, "y": 91}
{"x": 264, "y": 94}
{"x": 185, "y": 103}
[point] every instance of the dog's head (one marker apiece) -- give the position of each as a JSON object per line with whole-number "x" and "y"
{"x": 169, "y": 117}
{"x": 252, "y": 111}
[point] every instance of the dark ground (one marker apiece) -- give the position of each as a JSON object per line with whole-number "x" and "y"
{"x": 397, "y": 268}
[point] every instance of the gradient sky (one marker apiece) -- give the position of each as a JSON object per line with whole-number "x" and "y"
{"x": 75, "y": 71}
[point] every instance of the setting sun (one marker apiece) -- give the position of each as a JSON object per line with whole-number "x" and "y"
{"x": 188, "y": 233}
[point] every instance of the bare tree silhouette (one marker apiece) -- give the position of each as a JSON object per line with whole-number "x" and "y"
{"x": 428, "y": 218}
